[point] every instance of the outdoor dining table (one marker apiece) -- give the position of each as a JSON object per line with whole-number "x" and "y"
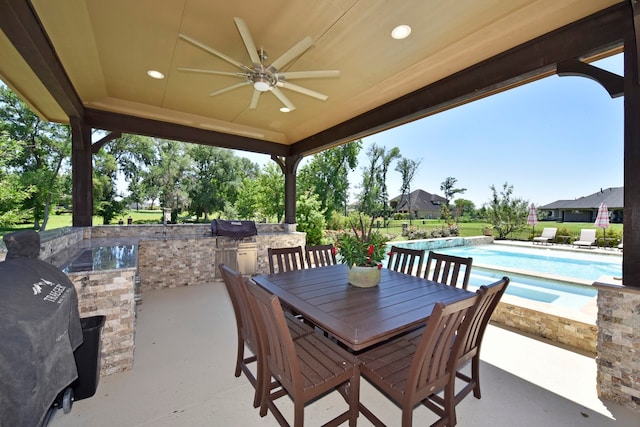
{"x": 359, "y": 317}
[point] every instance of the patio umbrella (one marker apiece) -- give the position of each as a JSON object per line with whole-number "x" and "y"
{"x": 532, "y": 219}
{"x": 602, "y": 220}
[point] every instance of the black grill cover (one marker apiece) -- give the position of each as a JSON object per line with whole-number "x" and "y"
{"x": 235, "y": 229}
{"x": 40, "y": 329}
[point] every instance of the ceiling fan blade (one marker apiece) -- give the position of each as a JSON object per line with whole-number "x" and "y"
{"x": 248, "y": 41}
{"x": 291, "y": 54}
{"x": 228, "y": 88}
{"x": 214, "y": 52}
{"x": 318, "y": 74}
{"x": 303, "y": 90}
{"x": 254, "y": 99}
{"x": 220, "y": 73}
{"x": 282, "y": 98}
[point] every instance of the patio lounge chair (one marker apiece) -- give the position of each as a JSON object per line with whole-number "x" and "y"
{"x": 587, "y": 238}
{"x": 548, "y": 233}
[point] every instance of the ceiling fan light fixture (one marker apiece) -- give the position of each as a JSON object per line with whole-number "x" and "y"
{"x": 261, "y": 84}
{"x": 401, "y": 32}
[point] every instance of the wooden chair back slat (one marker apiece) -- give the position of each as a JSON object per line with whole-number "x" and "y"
{"x": 404, "y": 260}
{"x": 286, "y": 259}
{"x": 448, "y": 269}
{"x": 320, "y": 256}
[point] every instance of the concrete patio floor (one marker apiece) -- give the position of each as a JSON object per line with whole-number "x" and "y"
{"x": 185, "y": 356}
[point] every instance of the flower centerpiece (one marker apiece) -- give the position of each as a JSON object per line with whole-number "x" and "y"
{"x": 362, "y": 250}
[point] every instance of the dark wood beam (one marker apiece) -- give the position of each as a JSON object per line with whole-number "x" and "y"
{"x": 81, "y": 173}
{"x": 635, "y": 5}
{"x": 21, "y": 25}
{"x": 631, "y": 230}
{"x": 612, "y": 83}
{"x": 96, "y": 146}
{"x": 588, "y": 37}
{"x": 116, "y": 122}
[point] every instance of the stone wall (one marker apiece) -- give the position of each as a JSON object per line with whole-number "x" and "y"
{"x": 619, "y": 343}
{"x": 538, "y": 321}
{"x": 172, "y": 262}
{"x": 110, "y": 293}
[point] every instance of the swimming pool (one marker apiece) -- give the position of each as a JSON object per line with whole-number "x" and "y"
{"x": 560, "y": 278}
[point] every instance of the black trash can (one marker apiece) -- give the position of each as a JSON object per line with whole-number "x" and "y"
{"x": 87, "y": 357}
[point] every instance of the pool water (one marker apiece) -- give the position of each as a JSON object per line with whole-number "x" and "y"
{"x": 569, "y": 271}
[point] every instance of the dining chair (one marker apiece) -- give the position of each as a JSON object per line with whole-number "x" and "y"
{"x": 409, "y": 373}
{"x": 306, "y": 368}
{"x": 405, "y": 260}
{"x": 489, "y": 297}
{"x": 447, "y": 269}
{"x": 473, "y": 338}
{"x": 286, "y": 259}
{"x": 247, "y": 332}
{"x": 320, "y": 255}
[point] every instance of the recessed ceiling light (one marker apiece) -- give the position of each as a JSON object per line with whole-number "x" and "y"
{"x": 285, "y": 110}
{"x": 155, "y": 74}
{"x": 401, "y": 32}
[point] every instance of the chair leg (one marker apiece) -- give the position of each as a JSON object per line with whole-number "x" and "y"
{"x": 239, "y": 357}
{"x": 354, "y": 398}
{"x": 407, "y": 414}
{"x": 475, "y": 375}
{"x": 298, "y": 414}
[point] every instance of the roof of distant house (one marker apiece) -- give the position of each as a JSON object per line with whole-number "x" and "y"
{"x": 613, "y": 197}
{"x": 418, "y": 200}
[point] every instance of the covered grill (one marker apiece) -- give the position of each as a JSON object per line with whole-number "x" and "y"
{"x": 238, "y": 247}
{"x": 233, "y": 229}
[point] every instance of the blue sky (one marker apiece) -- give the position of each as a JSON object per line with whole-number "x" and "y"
{"x": 557, "y": 138}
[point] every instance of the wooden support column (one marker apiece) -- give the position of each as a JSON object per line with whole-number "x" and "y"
{"x": 289, "y": 167}
{"x": 631, "y": 253}
{"x": 82, "y": 173}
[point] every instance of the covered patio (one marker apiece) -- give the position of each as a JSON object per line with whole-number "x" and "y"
{"x": 182, "y": 376}
{"x": 86, "y": 64}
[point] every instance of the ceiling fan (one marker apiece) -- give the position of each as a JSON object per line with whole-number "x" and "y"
{"x": 264, "y": 77}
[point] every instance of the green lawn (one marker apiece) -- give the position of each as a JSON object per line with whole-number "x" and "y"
{"x": 467, "y": 229}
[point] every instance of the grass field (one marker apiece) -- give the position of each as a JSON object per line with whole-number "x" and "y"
{"x": 467, "y": 229}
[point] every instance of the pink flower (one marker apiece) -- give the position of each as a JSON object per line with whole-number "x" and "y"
{"x": 379, "y": 266}
{"x": 334, "y": 250}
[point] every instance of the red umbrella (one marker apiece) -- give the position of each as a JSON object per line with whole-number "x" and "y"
{"x": 532, "y": 219}
{"x": 602, "y": 220}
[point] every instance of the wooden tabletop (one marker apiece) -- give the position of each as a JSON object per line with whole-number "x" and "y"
{"x": 359, "y": 317}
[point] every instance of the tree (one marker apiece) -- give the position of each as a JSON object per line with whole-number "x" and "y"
{"x": 12, "y": 195}
{"x": 506, "y": 213}
{"x": 168, "y": 174}
{"x": 271, "y": 194}
{"x": 106, "y": 202}
{"x": 370, "y": 195}
{"x": 248, "y": 201}
{"x": 310, "y": 218}
{"x": 216, "y": 177}
{"x": 386, "y": 159}
{"x": 327, "y": 174}
{"x": 449, "y": 190}
{"x": 408, "y": 169}
{"x": 43, "y": 155}
{"x": 465, "y": 207}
